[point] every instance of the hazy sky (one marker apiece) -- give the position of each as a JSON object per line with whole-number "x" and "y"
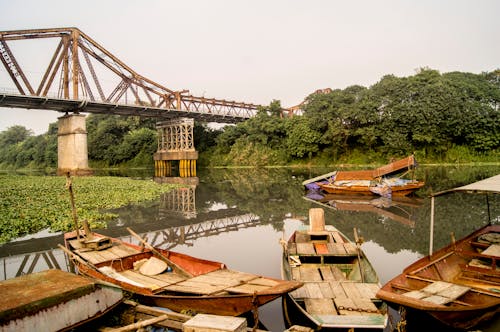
{"x": 260, "y": 50}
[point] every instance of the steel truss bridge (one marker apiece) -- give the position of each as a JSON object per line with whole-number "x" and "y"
{"x": 82, "y": 76}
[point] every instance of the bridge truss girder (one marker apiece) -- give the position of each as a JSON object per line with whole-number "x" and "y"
{"x": 80, "y": 80}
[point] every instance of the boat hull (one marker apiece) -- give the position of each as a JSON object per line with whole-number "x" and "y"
{"x": 399, "y": 191}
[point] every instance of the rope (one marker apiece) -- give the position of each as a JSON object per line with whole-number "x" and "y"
{"x": 255, "y": 311}
{"x": 358, "y": 309}
{"x": 401, "y": 326}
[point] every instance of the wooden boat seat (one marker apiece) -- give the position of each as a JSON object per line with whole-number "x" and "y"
{"x": 439, "y": 292}
{"x": 315, "y": 273}
{"x": 320, "y": 306}
{"x": 324, "y": 249}
{"x": 336, "y": 289}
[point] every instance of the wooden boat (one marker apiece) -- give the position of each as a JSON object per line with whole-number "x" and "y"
{"x": 384, "y": 188}
{"x": 381, "y": 181}
{"x": 339, "y": 282}
{"x": 459, "y": 284}
{"x": 53, "y": 300}
{"x": 185, "y": 282}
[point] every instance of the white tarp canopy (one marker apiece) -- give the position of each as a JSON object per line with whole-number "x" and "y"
{"x": 489, "y": 185}
{"x": 484, "y": 186}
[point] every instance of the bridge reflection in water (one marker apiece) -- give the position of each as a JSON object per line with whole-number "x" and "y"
{"x": 22, "y": 257}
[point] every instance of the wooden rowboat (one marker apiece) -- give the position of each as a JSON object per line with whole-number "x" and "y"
{"x": 188, "y": 283}
{"x": 53, "y": 300}
{"x": 459, "y": 284}
{"x": 339, "y": 282}
{"x": 384, "y": 188}
{"x": 380, "y": 181}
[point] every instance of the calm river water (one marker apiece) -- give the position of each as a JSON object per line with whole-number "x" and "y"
{"x": 238, "y": 216}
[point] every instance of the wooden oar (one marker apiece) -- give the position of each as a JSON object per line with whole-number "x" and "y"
{"x": 174, "y": 266}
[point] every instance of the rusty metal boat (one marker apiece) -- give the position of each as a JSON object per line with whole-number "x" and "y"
{"x": 174, "y": 280}
{"x": 459, "y": 284}
{"x": 53, "y": 300}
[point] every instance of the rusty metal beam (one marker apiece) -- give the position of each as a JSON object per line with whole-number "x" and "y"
{"x": 73, "y": 76}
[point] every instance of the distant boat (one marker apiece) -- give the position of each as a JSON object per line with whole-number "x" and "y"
{"x": 459, "y": 284}
{"x": 381, "y": 181}
{"x": 174, "y": 280}
{"x": 53, "y": 300}
{"x": 339, "y": 282}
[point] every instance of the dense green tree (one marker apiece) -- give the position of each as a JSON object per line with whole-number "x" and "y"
{"x": 14, "y": 135}
{"x": 205, "y": 136}
{"x": 301, "y": 140}
{"x": 135, "y": 142}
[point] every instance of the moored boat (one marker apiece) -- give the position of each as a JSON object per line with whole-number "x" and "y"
{"x": 339, "y": 282}
{"x": 380, "y": 181}
{"x": 174, "y": 280}
{"x": 459, "y": 285}
{"x": 53, "y": 300}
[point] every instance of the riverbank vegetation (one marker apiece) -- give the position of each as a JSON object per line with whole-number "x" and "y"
{"x": 30, "y": 204}
{"x": 442, "y": 118}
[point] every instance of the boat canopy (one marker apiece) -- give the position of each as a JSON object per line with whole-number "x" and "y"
{"x": 486, "y": 186}
{"x": 489, "y": 185}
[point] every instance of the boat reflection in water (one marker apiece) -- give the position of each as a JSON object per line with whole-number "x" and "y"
{"x": 399, "y": 209}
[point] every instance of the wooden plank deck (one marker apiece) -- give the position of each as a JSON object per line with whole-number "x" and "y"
{"x": 115, "y": 252}
{"x": 305, "y": 249}
{"x": 320, "y": 306}
{"x": 336, "y": 237}
{"x": 223, "y": 281}
{"x": 439, "y": 292}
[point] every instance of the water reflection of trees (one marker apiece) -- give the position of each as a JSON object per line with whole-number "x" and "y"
{"x": 271, "y": 193}
{"x": 274, "y": 194}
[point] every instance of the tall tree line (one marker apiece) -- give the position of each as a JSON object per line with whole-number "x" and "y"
{"x": 441, "y": 117}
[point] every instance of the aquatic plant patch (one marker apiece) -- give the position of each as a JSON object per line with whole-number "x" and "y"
{"x": 29, "y": 204}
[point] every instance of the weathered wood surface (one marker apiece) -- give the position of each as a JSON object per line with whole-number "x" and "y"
{"x": 114, "y": 252}
{"x": 439, "y": 292}
{"x": 319, "y": 306}
{"x": 209, "y": 283}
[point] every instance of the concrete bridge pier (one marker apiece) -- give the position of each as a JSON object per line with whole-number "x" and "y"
{"x": 175, "y": 144}
{"x": 72, "y": 151}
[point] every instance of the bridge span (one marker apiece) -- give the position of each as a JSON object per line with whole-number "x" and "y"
{"x": 215, "y": 112}
{"x": 84, "y": 77}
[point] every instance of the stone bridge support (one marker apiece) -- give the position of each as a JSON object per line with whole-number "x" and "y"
{"x": 175, "y": 143}
{"x": 72, "y": 151}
